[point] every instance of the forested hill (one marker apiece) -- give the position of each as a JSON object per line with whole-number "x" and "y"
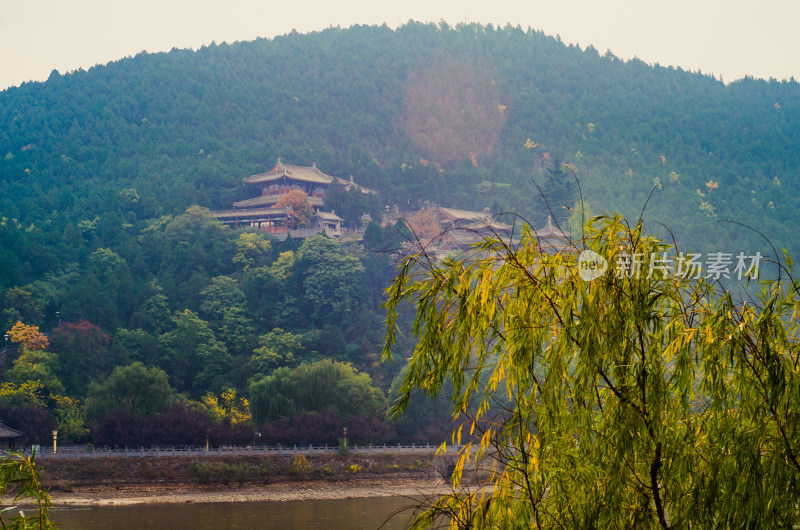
{"x": 467, "y": 117}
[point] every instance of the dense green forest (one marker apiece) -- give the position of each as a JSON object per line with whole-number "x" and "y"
{"x": 105, "y": 176}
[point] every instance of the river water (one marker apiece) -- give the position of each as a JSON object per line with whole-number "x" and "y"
{"x": 364, "y": 513}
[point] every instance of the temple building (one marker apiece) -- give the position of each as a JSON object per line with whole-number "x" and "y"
{"x": 474, "y": 222}
{"x": 284, "y": 178}
{"x": 9, "y": 438}
{"x": 442, "y": 230}
{"x": 445, "y": 229}
{"x": 261, "y": 213}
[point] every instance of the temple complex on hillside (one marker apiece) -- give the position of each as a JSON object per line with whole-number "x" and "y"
{"x": 261, "y": 212}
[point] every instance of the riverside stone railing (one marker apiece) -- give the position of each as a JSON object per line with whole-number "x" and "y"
{"x": 89, "y": 452}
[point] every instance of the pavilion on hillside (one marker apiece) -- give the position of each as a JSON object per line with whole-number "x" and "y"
{"x": 551, "y": 238}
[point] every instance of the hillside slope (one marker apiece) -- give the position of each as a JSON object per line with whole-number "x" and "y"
{"x": 425, "y": 112}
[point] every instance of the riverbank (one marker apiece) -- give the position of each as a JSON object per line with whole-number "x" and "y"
{"x": 136, "y": 480}
{"x": 282, "y": 491}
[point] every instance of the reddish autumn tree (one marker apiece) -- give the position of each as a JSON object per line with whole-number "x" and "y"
{"x": 301, "y": 208}
{"x": 424, "y": 224}
{"x": 82, "y": 349}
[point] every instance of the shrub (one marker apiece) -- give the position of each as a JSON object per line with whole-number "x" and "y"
{"x": 301, "y": 468}
{"x": 220, "y": 471}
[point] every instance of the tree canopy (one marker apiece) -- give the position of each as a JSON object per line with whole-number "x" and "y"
{"x": 317, "y": 387}
{"x": 131, "y": 388}
{"x": 627, "y": 400}
{"x": 29, "y": 337}
{"x": 301, "y": 208}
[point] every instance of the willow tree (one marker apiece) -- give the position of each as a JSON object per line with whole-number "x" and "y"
{"x": 635, "y": 399}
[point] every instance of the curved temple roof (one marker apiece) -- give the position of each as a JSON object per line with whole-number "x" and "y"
{"x": 301, "y": 174}
{"x": 281, "y": 170}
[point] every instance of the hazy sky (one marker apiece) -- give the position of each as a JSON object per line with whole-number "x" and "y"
{"x": 730, "y": 38}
